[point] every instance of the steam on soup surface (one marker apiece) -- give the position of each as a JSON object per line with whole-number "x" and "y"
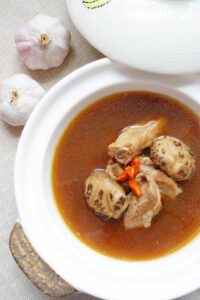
{"x": 83, "y": 148}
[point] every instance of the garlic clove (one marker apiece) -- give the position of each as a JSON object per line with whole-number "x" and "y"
{"x": 19, "y": 94}
{"x": 43, "y": 42}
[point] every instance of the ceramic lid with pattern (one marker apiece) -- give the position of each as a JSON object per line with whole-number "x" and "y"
{"x": 161, "y": 36}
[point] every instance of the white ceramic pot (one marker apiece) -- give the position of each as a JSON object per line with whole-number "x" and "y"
{"x": 88, "y": 271}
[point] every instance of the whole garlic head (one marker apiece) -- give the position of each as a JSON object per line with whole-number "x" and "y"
{"x": 19, "y": 94}
{"x": 43, "y": 42}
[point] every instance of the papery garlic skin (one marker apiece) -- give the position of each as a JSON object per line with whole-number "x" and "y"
{"x": 43, "y": 42}
{"x": 19, "y": 94}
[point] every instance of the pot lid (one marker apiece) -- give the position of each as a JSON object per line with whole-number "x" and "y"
{"x": 161, "y": 36}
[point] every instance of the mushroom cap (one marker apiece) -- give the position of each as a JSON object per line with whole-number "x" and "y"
{"x": 104, "y": 195}
{"x": 174, "y": 157}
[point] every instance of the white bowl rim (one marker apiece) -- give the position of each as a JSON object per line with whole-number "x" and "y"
{"x": 43, "y": 238}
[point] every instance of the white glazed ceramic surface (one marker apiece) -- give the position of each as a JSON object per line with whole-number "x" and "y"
{"x": 85, "y": 269}
{"x": 159, "y": 36}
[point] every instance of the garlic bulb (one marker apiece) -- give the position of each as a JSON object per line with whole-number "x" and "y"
{"x": 43, "y": 42}
{"x": 19, "y": 94}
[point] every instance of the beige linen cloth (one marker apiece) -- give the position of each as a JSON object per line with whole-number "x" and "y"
{"x": 13, "y": 13}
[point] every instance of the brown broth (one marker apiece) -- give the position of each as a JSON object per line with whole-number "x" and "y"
{"x": 83, "y": 147}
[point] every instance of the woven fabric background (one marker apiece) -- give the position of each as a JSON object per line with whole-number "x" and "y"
{"x": 13, "y": 13}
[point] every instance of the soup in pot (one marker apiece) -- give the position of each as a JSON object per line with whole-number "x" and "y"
{"x": 126, "y": 175}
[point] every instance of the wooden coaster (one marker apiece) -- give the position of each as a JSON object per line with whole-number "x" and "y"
{"x": 37, "y": 271}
